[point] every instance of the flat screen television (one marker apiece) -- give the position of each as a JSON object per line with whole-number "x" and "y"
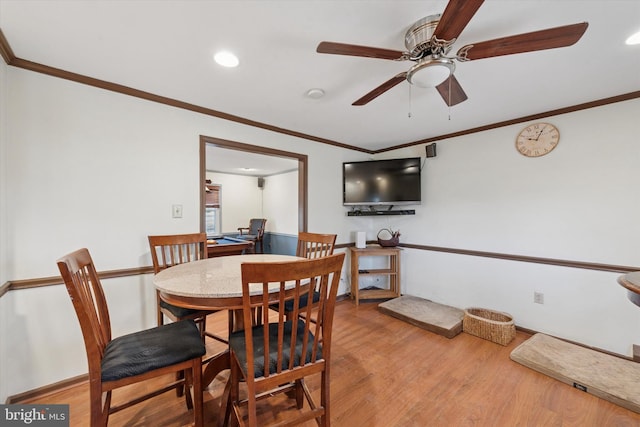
{"x": 381, "y": 182}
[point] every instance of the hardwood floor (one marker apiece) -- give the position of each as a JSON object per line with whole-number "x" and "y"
{"x": 386, "y": 372}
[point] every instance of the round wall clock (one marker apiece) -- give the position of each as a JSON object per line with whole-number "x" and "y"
{"x": 537, "y": 139}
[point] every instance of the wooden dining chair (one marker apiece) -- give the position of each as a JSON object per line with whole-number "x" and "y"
{"x": 277, "y": 356}
{"x": 315, "y": 245}
{"x": 174, "y": 249}
{"x": 254, "y": 232}
{"x": 310, "y": 246}
{"x": 132, "y": 358}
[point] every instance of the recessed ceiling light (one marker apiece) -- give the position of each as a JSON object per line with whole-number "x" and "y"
{"x": 226, "y": 59}
{"x": 634, "y": 38}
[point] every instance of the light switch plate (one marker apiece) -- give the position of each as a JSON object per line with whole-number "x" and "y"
{"x": 176, "y": 211}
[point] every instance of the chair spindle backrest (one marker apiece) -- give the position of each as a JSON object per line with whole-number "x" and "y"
{"x": 170, "y": 250}
{"x": 282, "y": 281}
{"x": 84, "y": 288}
{"x": 315, "y": 245}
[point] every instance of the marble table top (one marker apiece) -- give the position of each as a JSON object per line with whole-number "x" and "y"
{"x": 218, "y": 277}
{"x": 631, "y": 281}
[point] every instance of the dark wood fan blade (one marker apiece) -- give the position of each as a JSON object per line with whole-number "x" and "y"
{"x": 451, "y": 91}
{"x": 355, "y": 50}
{"x": 394, "y": 81}
{"x": 455, "y": 17}
{"x": 528, "y": 42}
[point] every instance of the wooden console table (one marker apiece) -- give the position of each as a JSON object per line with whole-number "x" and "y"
{"x": 393, "y": 271}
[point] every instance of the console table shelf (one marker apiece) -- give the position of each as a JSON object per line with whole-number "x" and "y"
{"x": 393, "y": 272}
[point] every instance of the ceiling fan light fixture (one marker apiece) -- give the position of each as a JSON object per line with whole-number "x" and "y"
{"x": 430, "y": 72}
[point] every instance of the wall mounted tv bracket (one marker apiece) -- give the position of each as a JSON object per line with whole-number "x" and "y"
{"x": 373, "y": 212}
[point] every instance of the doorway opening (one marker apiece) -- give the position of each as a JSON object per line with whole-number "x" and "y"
{"x": 249, "y": 149}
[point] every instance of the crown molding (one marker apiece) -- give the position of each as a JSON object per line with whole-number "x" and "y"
{"x": 11, "y": 59}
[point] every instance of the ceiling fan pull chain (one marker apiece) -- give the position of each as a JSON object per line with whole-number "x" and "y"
{"x": 409, "y": 115}
{"x": 449, "y": 103}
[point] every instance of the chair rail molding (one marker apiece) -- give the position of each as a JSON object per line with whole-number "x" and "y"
{"x": 14, "y": 285}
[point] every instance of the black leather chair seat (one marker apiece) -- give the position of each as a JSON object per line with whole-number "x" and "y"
{"x": 143, "y": 351}
{"x": 288, "y": 305}
{"x": 237, "y": 343}
{"x": 179, "y": 312}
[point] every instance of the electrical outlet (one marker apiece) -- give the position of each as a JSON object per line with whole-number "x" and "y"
{"x": 538, "y": 297}
{"x": 176, "y": 211}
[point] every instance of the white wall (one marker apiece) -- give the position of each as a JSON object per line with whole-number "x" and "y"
{"x": 280, "y": 203}
{"x": 83, "y": 167}
{"x": 577, "y": 203}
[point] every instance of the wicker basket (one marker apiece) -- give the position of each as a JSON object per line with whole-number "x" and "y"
{"x": 389, "y": 243}
{"x": 488, "y": 324}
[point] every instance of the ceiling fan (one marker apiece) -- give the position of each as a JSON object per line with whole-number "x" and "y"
{"x": 429, "y": 40}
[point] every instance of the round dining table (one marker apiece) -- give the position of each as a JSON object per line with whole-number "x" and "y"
{"x": 631, "y": 281}
{"x": 211, "y": 284}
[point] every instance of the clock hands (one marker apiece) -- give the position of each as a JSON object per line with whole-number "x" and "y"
{"x": 537, "y": 136}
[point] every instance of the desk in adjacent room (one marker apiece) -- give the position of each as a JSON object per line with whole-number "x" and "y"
{"x": 229, "y": 246}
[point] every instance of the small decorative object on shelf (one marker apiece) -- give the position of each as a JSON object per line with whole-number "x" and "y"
{"x": 388, "y": 238}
